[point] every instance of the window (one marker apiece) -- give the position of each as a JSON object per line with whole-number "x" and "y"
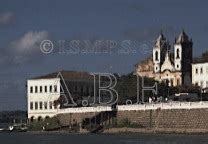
{"x": 46, "y": 89}
{"x": 31, "y": 89}
{"x": 41, "y": 89}
{"x": 171, "y": 82}
{"x": 36, "y": 105}
{"x": 45, "y": 105}
{"x": 177, "y": 54}
{"x": 41, "y": 105}
{"x": 201, "y": 70}
{"x": 55, "y": 106}
{"x": 50, "y": 105}
{"x": 55, "y": 88}
{"x": 36, "y": 89}
{"x": 50, "y": 88}
{"x": 156, "y": 55}
{"x": 206, "y": 83}
{"x": 31, "y": 105}
{"x": 197, "y": 84}
{"x": 196, "y": 70}
{"x": 178, "y": 82}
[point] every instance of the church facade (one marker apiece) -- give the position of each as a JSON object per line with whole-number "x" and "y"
{"x": 172, "y": 66}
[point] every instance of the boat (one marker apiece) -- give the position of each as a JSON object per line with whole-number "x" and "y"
{"x": 15, "y": 128}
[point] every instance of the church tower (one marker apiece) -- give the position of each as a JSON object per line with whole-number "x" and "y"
{"x": 183, "y": 56}
{"x": 159, "y": 51}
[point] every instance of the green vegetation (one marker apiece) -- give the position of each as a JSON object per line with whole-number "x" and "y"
{"x": 202, "y": 58}
{"x": 127, "y": 89}
{"x": 49, "y": 124}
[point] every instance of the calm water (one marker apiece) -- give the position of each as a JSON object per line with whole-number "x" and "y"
{"x": 53, "y": 138}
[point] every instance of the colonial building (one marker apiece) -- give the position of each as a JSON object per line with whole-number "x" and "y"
{"x": 200, "y": 74}
{"x": 43, "y": 92}
{"x": 165, "y": 65}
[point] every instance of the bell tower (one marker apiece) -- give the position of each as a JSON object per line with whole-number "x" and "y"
{"x": 183, "y": 56}
{"x": 159, "y": 50}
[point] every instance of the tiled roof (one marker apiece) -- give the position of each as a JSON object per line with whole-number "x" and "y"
{"x": 68, "y": 75}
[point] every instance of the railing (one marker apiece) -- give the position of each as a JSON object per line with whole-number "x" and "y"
{"x": 85, "y": 109}
{"x": 148, "y": 106}
{"x": 169, "y": 105}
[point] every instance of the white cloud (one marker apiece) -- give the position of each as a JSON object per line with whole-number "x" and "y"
{"x": 6, "y": 18}
{"x": 29, "y": 42}
{"x": 27, "y": 47}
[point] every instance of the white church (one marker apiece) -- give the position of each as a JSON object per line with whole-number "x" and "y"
{"x": 173, "y": 67}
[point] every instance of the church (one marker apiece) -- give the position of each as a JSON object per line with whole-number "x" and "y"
{"x": 173, "y": 66}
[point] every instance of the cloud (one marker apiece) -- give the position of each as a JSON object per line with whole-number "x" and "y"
{"x": 6, "y": 18}
{"x": 29, "y": 43}
{"x": 25, "y": 48}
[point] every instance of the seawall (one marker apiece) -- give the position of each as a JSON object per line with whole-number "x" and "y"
{"x": 190, "y": 119}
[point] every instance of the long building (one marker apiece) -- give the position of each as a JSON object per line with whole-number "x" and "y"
{"x": 44, "y": 92}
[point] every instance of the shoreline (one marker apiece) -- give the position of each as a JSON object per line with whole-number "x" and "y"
{"x": 130, "y": 130}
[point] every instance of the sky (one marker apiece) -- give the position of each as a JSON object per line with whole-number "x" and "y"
{"x": 131, "y": 25}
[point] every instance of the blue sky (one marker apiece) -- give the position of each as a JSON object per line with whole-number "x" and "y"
{"x": 25, "y": 23}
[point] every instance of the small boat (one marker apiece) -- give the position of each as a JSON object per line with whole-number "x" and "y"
{"x": 15, "y": 128}
{"x": 1, "y": 129}
{"x": 18, "y": 128}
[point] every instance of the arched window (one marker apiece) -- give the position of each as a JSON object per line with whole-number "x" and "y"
{"x": 32, "y": 119}
{"x": 177, "y": 54}
{"x": 40, "y": 119}
{"x": 47, "y": 117}
{"x": 156, "y": 55}
{"x": 178, "y": 81}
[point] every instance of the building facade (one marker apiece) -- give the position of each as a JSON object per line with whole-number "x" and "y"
{"x": 200, "y": 74}
{"x": 173, "y": 67}
{"x": 43, "y": 92}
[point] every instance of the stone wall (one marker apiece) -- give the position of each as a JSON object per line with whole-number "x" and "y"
{"x": 168, "y": 119}
{"x": 181, "y": 120}
{"x": 71, "y": 118}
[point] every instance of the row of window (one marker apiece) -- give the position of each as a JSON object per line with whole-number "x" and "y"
{"x": 201, "y": 70}
{"x": 41, "y": 89}
{"x": 201, "y": 83}
{"x": 42, "y": 105}
{"x": 177, "y": 55}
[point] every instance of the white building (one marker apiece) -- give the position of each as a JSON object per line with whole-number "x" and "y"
{"x": 43, "y": 91}
{"x": 200, "y": 74}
